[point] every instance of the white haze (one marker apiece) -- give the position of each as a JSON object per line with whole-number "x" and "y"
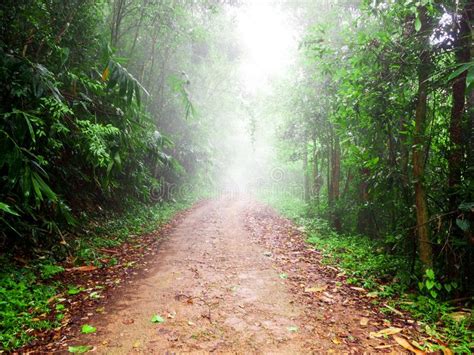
{"x": 268, "y": 46}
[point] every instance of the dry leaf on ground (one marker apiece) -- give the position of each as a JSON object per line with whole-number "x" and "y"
{"x": 316, "y": 289}
{"x": 406, "y": 344}
{"x": 386, "y": 331}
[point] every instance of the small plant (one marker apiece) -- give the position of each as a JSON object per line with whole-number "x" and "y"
{"x": 431, "y": 287}
{"x": 49, "y": 270}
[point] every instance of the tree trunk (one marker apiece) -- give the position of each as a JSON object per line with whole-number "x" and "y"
{"x": 305, "y": 172}
{"x": 335, "y": 177}
{"x": 117, "y": 16}
{"x": 139, "y": 25}
{"x": 463, "y": 55}
{"x": 422, "y": 216}
{"x": 316, "y": 175}
{"x": 328, "y": 168}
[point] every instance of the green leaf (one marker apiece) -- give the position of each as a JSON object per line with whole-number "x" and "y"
{"x": 429, "y": 284}
{"x": 461, "y": 69}
{"x": 417, "y": 24}
{"x": 80, "y": 349}
{"x": 463, "y": 224}
{"x": 430, "y": 274}
{"x": 74, "y": 290}
{"x": 466, "y": 206}
{"x": 157, "y": 319}
{"x": 433, "y": 293}
{"x": 283, "y": 276}
{"x": 6, "y": 208}
{"x": 87, "y": 329}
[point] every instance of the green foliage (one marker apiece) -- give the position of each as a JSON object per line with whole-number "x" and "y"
{"x": 71, "y": 131}
{"x": 349, "y": 110}
{"x": 366, "y": 263}
{"x": 118, "y": 227}
{"x": 23, "y": 300}
{"x": 49, "y": 270}
{"x": 25, "y": 291}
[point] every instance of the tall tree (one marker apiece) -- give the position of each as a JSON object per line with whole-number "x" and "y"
{"x": 419, "y": 141}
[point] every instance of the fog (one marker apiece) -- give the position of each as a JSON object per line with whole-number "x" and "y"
{"x": 246, "y": 127}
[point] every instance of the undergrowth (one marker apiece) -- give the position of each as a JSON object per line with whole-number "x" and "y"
{"x": 386, "y": 276}
{"x": 26, "y": 285}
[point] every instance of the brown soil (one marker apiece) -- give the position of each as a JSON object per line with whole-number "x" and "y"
{"x": 234, "y": 277}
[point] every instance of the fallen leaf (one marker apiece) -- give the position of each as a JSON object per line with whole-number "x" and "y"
{"x": 326, "y": 299}
{"x": 136, "y": 344}
{"x": 84, "y": 268}
{"x": 384, "y": 332}
{"x": 157, "y": 319}
{"x": 396, "y": 311}
{"x": 364, "y": 321}
{"x": 94, "y": 295}
{"x": 406, "y": 344}
{"x": 128, "y": 321}
{"x": 336, "y": 340}
{"x": 293, "y": 329}
{"x": 79, "y": 349}
{"x": 316, "y": 289}
{"x": 383, "y": 346}
{"x": 88, "y": 329}
{"x": 191, "y": 323}
{"x": 360, "y": 289}
{"x": 459, "y": 316}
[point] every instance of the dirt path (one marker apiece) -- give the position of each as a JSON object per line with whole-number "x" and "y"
{"x": 224, "y": 282}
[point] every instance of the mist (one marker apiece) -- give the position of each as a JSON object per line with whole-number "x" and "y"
{"x": 236, "y": 176}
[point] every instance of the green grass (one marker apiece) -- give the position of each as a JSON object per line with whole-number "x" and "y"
{"x": 119, "y": 227}
{"x": 25, "y": 290}
{"x": 387, "y": 276}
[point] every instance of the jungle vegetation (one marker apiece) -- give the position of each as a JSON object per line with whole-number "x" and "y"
{"x": 110, "y": 105}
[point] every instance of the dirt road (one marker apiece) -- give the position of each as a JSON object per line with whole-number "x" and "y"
{"x": 233, "y": 277}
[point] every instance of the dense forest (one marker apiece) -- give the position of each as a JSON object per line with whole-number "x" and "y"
{"x": 116, "y": 114}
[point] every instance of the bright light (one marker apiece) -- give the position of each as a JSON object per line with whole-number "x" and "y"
{"x": 268, "y": 43}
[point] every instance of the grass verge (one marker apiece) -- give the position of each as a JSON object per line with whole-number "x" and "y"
{"x": 28, "y": 286}
{"x": 386, "y": 276}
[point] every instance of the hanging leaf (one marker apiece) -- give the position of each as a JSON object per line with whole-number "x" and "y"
{"x": 6, "y": 208}
{"x": 461, "y": 69}
{"x": 417, "y": 23}
{"x": 105, "y": 74}
{"x": 463, "y": 224}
